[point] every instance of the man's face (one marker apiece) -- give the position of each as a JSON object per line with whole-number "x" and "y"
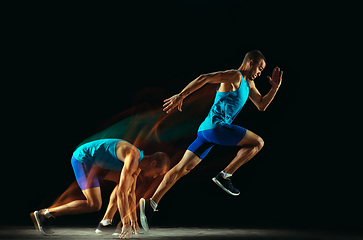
{"x": 154, "y": 172}
{"x": 256, "y": 70}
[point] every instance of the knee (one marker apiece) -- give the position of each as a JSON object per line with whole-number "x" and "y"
{"x": 94, "y": 205}
{"x": 181, "y": 172}
{"x": 260, "y": 143}
{"x": 184, "y": 171}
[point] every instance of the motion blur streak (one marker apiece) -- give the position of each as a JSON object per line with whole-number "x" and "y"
{"x": 149, "y": 129}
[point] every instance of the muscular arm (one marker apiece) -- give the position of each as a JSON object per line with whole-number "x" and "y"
{"x": 127, "y": 179}
{"x": 216, "y": 77}
{"x": 132, "y": 200}
{"x": 262, "y": 102}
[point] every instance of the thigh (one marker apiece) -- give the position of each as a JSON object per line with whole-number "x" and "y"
{"x": 250, "y": 138}
{"x": 201, "y": 146}
{"x": 86, "y": 175}
{"x": 93, "y": 195}
{"x": 227, "y": 135}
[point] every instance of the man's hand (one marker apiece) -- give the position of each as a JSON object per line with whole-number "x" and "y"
{"x": 126, "y": 232}
{"x": 135, "y": 228}
{"x": 275, "y": 81}
{"x": 173, "y": 102}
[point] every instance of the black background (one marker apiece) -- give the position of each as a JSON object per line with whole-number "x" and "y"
{"x": 73, "y": 67}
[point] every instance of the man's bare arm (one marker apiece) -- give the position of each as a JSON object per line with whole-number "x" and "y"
{"x": 262, "y": 102}
{"x": 229, "y": 76}
{"x": 132, "y": 202}
{"x": 123, "y": 193}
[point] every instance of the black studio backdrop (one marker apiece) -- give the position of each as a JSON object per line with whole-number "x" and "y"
{"x": 82, "y": 65}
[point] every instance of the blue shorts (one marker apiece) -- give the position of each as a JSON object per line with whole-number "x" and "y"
{"x": 225, "y": 135}
{"x": 87, "y": 175}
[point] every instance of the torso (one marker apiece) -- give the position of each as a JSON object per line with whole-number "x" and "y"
{"x": 228, "y": 102}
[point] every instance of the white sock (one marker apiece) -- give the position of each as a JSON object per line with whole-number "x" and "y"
{"x": 106, "y": 222}
{"x": 225, "y": 175}
{"x": 153, "y": 204}
{"x": 47, "y": 214}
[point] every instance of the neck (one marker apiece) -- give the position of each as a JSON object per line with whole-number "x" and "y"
{"x": 144, "y": 162}
{"x": 243, "y": 69}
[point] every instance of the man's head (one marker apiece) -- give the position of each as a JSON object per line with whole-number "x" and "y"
{"x": 254, "y": 63}
{"x": 158, "y": 164}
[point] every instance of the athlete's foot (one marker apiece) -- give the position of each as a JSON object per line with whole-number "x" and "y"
{"x": 41, "y": 222}
{"x": 146, "y": 213}
{"x": 226, "y": 184}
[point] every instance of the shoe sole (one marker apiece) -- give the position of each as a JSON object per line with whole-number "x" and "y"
{"x": 143, "y": 219}
{"x": 36, "y": 222}
{"x": 225, "y": 189}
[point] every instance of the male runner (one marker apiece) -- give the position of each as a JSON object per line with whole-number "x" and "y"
{"x": 101, "y": 159}
{"x": 234, "y": 89}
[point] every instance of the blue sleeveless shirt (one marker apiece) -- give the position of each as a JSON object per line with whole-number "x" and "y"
{"x": 226, "y": 106}
{"x": 101, "y": 153}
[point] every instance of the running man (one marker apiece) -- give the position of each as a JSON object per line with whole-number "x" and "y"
{"x": 235, "y": 86}
{"x": 102, "y": 159}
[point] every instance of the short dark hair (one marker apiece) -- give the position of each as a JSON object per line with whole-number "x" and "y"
{"x": 254, "y": 55}
{"x": 162, "y": 160}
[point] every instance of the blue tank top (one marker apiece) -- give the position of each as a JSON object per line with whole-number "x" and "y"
{"x": 226, "y": 106}
{"x": 101, "y": 153}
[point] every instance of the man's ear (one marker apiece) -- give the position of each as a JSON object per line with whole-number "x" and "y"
{"x": 153, "y": 163}
{"x": 250, "y": 63}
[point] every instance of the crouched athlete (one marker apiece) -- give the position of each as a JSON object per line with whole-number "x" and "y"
{"x": 102, "y": 159}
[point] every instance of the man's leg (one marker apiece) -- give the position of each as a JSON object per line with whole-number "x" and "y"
{"x": 186, "y": 164}
{"x": 112, "y": 206}
{"x": 87, "y": 179}
{"x": 147, "y": 206}
{"x": 106, "y": 224}
{"x": 43, "y": 218}
{"x": 251, "y": 144}
{"x": 113, "y": 176}
{"x": 92, "y": 203}
{"x": 232, "y": 135}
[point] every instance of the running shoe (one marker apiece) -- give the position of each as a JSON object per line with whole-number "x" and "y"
{"x": 109, "y": 228}
{"x": 226, "y": 184}
{"x": 146, "y": 213}
{"x": 41, "y": 222}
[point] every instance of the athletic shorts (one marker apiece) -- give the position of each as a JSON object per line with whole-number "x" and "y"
{"x": 225, "y": 135}
{"x": 87, "y": 175}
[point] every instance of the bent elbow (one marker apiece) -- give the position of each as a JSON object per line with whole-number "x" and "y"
{"x": 262, "y": 108}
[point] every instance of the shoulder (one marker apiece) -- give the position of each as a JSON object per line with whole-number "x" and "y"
{"x": 228, "y": 76}
{"x": 132, "y": 149}
{"x": 131, "y": 160}
{"x": 226, "y": 73}
{"x": 127, "y": 152}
